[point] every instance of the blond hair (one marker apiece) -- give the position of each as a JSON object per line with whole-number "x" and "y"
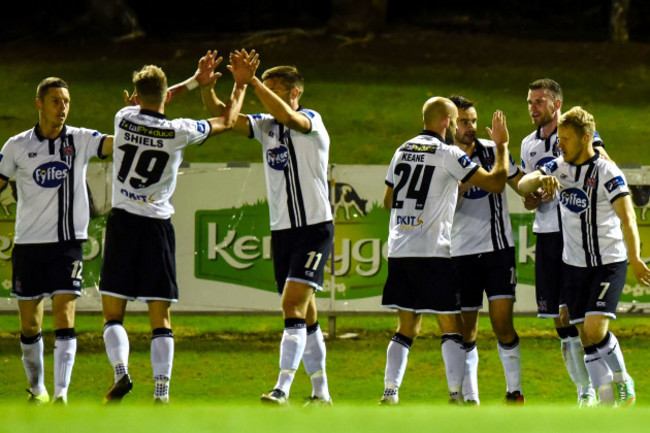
{"x": 288, "y": 75}
{"x": 581, "y": 121}
{"x": 150, "y": 84}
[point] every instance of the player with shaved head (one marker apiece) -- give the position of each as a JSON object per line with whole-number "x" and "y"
{"x": 421, "y": 194}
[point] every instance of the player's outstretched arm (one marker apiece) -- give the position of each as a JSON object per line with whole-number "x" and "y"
{"x": 388, "y": 198}
{"x": 279, "y": 109}
{"x": 207, "y": 78}
{"x": 532, "y": 181}
{"x": 205, "y": 74}
{"x": 625, "y": 212}
{"x": 495, "y": 180}
{"x": 242, "y": 69}
{"x": 107, "y": 146}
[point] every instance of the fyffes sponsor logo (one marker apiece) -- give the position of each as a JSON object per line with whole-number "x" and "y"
{"x": 51, "y": 174}
{"x": 574, "y": 199}
{"x": 277, "y": 158}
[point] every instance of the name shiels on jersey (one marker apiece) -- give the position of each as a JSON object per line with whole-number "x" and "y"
{"x": 51, "y": 174}
{"x": 145, "y": 135}
{"x": 574, "y": 199}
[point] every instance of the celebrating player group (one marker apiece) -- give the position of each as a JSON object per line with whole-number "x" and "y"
{"x": 452, "y": 180}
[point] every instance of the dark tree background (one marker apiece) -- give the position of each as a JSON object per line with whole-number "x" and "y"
{"x": 588, "y": 20}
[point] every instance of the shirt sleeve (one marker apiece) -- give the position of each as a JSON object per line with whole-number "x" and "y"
{"x": 513, "y": 170}
{"x": 258, "y": 124}
{"x": 197, "y": 130}
{"x": 92, "y": 141}
{"x": 615, "y": 183}
{"x": 458, "y": 164}
{"x": 550, "y": 168}
{"x": 7, "y": 160}
{"x": 390, "y": 175}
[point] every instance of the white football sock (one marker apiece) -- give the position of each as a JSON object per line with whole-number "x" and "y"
{"x": 610, "y": 351}
{"x": 396, "y": 360}
{"x": 162, "y": 359}
{"x": 510, "y": 355}
{"x": 470, "y": 380}
{"x": 313, "y": 358}
{"x": 65, "y": 349}
{"x": 32, "y": 358}
{"x": 292, "y": 348}
{"x": 117, "y": 347}
{"x": 453, "y": 355}
{"x": 574, "y": 361}
{"x": 600, "y": 374}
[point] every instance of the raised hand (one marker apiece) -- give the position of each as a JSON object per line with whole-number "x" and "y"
{"x": 129, "y": 99}
{"x": 499, "y": 132}
{"x": 205, "y": 73}
{"x": 243, "y": 66}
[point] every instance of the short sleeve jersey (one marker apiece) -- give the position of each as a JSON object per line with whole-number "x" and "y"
{"x": 424, "y": 175}
{"x": 51, "y": 183}
{"x": 590, "y": 227}
{"x": 535, "y": 152}
{"x": 478, "y": 210}
{"x": 147, "y": 152}
{"x": 295, "y": 167}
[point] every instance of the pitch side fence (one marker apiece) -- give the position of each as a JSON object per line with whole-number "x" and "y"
{"x": 223, "y": 241}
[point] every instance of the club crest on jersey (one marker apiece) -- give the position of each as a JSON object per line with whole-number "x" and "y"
{"x": 51, "y": 174}
{"x": 474, "y": 193}
{"x": 615, "y": 183}
{"x": 574, "y": 199}
{"x": 277, "y": 158}
{"x": 590, "y": 183}
{"x": 67, "y": 150}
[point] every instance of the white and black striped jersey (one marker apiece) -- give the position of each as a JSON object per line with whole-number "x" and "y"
{"x": 477, "y": 208}
{"x": 51, "y": 183}
{"x": 295, "y": 166}
{"x": 535, "y": 152}
{"x": 424, "y": 175}
{"x": 590, "y": 227}
{"x": 147, "y": 152}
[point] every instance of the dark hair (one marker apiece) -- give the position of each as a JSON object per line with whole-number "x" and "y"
{"x": 548, "y": 84}
{"x": 461, "y": 102}
{"x": 49, "y": 83}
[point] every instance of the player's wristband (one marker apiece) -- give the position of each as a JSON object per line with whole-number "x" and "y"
{"x": 191, "y": 83}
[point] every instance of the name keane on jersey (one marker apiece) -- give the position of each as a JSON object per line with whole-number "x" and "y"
{"x": 574, "y": 199}
{"x": 413, "y": 157}
{"x": 408, "y": 222}
{"x": 51, "y": 174}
